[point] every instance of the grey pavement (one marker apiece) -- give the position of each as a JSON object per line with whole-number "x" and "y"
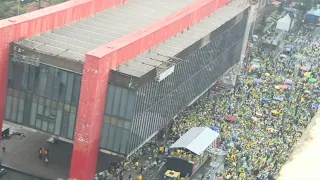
{"x": 14, "y": 175}
{"x": 22, "y": 154}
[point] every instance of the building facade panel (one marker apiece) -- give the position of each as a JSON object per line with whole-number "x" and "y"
{"x": 46, "y": 98}
{"x": 159, "y": 102}
{"x": 43, "y": 97}
{"x": 117, "y": 120}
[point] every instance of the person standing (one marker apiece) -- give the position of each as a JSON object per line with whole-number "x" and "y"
{"x": 3, "y": 147}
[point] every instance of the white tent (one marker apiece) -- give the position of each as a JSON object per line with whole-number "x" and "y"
{"x": 284, "y": 23}
{"x": 196, "y": 140}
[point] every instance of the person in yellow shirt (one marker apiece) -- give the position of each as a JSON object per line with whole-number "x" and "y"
{"x": 136, "y": 164}
{"x": 139, "y": 177}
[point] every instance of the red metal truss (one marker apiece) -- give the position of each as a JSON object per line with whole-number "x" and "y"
{"x": 95, "y": 76}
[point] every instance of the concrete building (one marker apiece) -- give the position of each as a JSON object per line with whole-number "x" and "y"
{"x": 111, "y": 78}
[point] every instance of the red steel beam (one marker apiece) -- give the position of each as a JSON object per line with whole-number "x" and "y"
{"x": 30, "y": 24}
{"x": 95, "y": 77}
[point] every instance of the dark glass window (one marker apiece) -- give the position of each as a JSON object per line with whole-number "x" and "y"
{"x": 76, "y": 90}
{"x": 11, "y": 70}
{"x": 17, "y": 75}
{"x": 25, "y": 75}
{"x": 64, "y": 124}
{"x": 63, "y": 75}
{"x": 31, "y": 78}
{"x": 69, "y": 87}
{"x": 36, "y": 78}
{"x": 43, "y": 78}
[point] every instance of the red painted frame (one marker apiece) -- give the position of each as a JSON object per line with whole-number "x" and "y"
{"x": 96, "y": 73}
{"x": 30, "y": 24}
{"x": 98, "y": 62}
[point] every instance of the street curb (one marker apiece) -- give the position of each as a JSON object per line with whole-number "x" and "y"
{"x": 28, "y": 174}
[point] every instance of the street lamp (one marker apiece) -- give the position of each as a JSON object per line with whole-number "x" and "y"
{"x": 19, "y": 4}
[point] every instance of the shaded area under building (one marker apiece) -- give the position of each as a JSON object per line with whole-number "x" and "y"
{"x": 22, "y": 155}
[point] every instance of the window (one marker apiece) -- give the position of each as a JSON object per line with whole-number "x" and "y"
{"x": 120, "y": 123}
{"x": 31, "y": 78}
{"x": 53, "y": 109}
{"x": 42, "y": 81}
{"x": 44, "y": 126}
{"x": 10, "y": 78}
{"x": 25, "y": 75}
{"x": 73, "y": 110}
{"x": 56, "y": 87}
{"x": 127, "y": 125}
{"x": 51, "y": 127}
{"x": 21, "y": 107}
{"x": 66, "y": 108}
{"x": 64, "y": 125}
{"x": 17, "y": 75}
{"x": 118, "y": 138}
{"x": 63, "y": 75}
{"x": 47, "y": 108}
{"x": 49, "y": 85}
{"x": 72, "y": 120}
{"x": 76, "y": 90}
{"x": 40, "y": 106}
{"x": 69, "y": 87}
{"x": 36, "y": 78}
{"x": 8, "y": 107}
{"x": 124, "y": 142}
{"x": 111, "y": 136}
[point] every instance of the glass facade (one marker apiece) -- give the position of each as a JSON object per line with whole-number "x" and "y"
{"x": 43, "y": 97}
{"x": 158, "y": 102}
{"x": 46, "y": 98}
{"x": 118, "y": 117}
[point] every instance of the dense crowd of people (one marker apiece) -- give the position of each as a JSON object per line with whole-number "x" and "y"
{"x": 272, "y": 107}
{"x": 259, "y": 120}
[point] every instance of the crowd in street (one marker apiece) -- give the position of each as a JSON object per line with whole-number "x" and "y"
{"x": 259, "y": 120}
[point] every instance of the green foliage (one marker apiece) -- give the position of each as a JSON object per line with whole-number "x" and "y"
{"x": 10, "y": 8}
{"x": 53, "y": 2}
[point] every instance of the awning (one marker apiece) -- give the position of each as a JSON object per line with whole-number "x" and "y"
{"x": 196, "y": 140}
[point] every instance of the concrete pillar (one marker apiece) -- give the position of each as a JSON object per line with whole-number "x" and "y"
{"x": 90, "y": 119}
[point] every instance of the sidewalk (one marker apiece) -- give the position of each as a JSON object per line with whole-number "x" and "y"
{"x": 22, "y": 155}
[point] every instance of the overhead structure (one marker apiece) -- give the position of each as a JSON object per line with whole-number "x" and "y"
{"x": 284, "y": 23}
{"x": 111, "y": 79}
{"x": 197, "y": 140}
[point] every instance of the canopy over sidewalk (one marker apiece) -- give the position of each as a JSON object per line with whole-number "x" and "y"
{"x": 196, "y": 140}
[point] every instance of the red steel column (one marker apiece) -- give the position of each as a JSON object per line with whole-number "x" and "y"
{"x": 90, "y": 119}
{"x": 5, "y": 39}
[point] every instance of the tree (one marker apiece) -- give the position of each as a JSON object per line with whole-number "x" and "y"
{"x": 10, "y": 8}
{"x": 53, "y": 2}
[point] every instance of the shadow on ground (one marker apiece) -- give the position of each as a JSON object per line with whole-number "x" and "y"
{"x": 22, "y": 155}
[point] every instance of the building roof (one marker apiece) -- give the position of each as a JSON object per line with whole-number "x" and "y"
{"x": 196, "y": 140}
{"x": 73, "y": 41}
{"x": 159, "y": 55}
